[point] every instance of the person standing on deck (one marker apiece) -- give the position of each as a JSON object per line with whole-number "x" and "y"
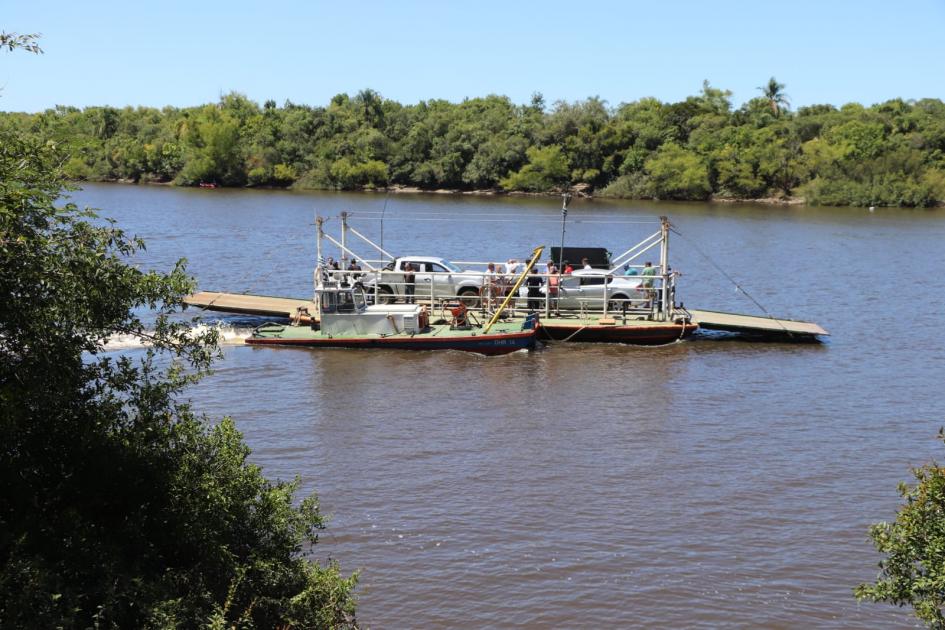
{"x": 409, "y": 280}
{"x": 553, "y": 279}
{"x": 534, "y": 290}
{"x": 490, "y": 283}
{"x": 501, "y": 281}
{"x": 568, "y": 269}
{"x": 585, "y": 264}
{"x": 354, "y": 266}
{"x": 649, "y": 271}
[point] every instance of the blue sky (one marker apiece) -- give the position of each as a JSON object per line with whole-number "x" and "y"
{"x": 188, "y": 53}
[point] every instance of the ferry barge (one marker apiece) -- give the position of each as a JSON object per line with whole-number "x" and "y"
{"x": 616, "y": 300}
{"x": 345, "y": 320}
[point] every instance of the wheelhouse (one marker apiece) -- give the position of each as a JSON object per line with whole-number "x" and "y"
{"x": 341, "y": 300}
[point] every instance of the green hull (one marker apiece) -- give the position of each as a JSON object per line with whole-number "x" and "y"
{"x": 502, "y": 339}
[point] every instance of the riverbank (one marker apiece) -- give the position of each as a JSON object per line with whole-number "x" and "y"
{"x": 580, "y": 191}
{"x": 702, "y": 148}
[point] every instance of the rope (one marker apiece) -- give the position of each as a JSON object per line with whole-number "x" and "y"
{"x": 572, "y": 335}
{"x": 682, "y": 331}
{"x": 738, "y": 287}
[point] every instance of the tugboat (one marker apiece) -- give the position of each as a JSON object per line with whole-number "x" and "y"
{"x": 347, "y": 321}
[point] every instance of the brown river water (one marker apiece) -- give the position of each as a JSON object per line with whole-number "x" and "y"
{"x": 709, "y": 483}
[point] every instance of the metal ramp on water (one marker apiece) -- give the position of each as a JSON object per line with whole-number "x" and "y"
{"x": 757, "y": 326}
{"x": 262, "y": 305}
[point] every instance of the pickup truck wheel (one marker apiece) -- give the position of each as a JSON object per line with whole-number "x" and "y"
{"x": 384, "y": 295}
{"x": 469, "y": 296}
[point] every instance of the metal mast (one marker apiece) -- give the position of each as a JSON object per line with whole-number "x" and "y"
{"x": 318, "y": 255}
{"x": 664, "y": 266}
{"x": 566, "y": 199}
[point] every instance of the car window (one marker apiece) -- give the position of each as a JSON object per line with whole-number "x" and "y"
{"x": 569, "y": 282}
{"x": 451, "y": 266}
{"x": 437, "y": 268}
{"x": 590, "y": 280}
{"x": 418, "y": 266}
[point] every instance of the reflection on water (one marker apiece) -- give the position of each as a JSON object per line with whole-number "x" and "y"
{"x": 706, "y": 483}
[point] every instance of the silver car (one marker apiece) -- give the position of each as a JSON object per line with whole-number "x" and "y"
{"x": 587, "y": 286}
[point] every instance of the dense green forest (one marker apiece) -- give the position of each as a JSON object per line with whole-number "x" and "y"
{"x": 890, "y": 154}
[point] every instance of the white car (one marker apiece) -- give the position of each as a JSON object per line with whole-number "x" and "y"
{"x": 431, "y": 275}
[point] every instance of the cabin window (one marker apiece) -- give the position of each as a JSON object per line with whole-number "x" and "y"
{"x": 346, "y": 302}
{"x": 329, "y": 304}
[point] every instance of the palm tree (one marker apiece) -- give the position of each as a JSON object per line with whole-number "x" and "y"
{"x": 774, "y": 93}
{"x": 372, "y": 105}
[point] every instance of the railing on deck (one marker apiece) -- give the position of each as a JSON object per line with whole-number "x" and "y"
{"x": 484, "y": 291}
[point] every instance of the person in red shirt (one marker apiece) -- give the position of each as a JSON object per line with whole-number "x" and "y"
{"x": 553, "y": 278}
{"x": 568, "y": 269}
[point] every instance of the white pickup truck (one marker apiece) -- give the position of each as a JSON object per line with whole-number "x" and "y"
{"x": 443, "y": 278}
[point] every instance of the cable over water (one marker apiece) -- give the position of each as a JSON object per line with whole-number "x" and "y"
{"x": 725, "y": 274}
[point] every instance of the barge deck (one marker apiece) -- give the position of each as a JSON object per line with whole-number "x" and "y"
{"x": 590, "y": 328}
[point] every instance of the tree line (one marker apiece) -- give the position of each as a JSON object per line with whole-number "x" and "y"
{"x": 889, "y": 154}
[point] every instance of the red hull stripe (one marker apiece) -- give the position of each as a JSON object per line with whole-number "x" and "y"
{"x": 644, "y": 334}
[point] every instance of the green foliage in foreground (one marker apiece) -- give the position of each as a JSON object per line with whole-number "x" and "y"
{"x": 892, "y": 153}
{"x": 120, "y": 506}
{"x": 913, "y": 570}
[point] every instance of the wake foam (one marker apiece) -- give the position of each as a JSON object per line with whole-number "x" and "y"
{"x": 229, "y": 336}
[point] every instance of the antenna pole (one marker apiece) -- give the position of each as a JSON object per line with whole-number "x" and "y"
{"x": 383, "y": 211}
{"x": 344, "y": 240}
{"x": 566, "y": 199}
{"x": 318, "y": 253}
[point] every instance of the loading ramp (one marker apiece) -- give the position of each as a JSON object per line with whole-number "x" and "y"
{"x": 757, "y": 326}
{"x": 262, "y": 305}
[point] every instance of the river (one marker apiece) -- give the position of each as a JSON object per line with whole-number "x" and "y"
{"x": 710, "y": 483}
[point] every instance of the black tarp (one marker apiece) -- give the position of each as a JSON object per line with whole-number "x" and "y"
{"x": 598, "y": 257}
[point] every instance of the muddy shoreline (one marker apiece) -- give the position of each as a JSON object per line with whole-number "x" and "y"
{"x": 579, "y": 191}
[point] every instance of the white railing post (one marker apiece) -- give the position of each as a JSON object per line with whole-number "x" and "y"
{"x": 344, "y": 240}
{"x": 664, "y": 266}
